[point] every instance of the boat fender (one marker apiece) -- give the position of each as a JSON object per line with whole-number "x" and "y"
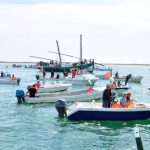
{"x": 20, "y": 96}
{"x": 61, "y": 107}
{"x": 37, "y": 77}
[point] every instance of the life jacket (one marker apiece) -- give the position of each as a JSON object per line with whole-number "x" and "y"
{"x": 128, "y": 105}
{"x": 37, "y": 85}
{"x": 116, "y": 105}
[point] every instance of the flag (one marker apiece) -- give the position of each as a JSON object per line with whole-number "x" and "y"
{"x": 89, "y": 90}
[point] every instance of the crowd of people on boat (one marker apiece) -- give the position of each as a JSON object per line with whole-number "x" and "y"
{"x": 111, "y": 101}
{"x": 12, "y": 77}
{"x": 56, "y": 63}
{"x": 46, "y": 64}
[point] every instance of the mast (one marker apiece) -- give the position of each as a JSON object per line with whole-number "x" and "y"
{"x": 80, "y": 47}
{"x": 58, "y": 52}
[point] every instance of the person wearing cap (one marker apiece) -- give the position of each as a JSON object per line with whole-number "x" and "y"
{"x": 106, "y": 99}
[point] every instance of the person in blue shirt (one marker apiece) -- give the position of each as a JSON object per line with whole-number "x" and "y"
{"x": 123, "y": 100}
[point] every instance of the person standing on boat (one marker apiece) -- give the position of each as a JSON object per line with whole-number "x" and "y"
{"x": 65, "y": 73}
{"x": 73, "y": 73}
{"x": 44, "y": 73}
{"x": 52, "y": 74}
{"x": 57, "y": 76}
{"x": 107, "y": 97}
{"x": 127, "y": 78}
{"x": 116, "y": 75}
{"x": 2, "y": 74}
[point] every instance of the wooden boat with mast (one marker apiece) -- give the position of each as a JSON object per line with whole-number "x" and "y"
{"x": 59, "y": 66}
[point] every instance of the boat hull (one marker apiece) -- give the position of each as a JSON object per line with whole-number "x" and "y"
{"x": 137, "y": 79}
{"x": 110, "y": 115}
{"x": 9, "y": 81}
{"x": 69, "y": 97}
{"x": 54, "y": 88}
{"x": 88, "y": 66}
{"x": 80, "y": 82}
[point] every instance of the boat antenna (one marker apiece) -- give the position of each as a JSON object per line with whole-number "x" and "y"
{"x": 80, "y": 47}
{"x": 58, "y": 51}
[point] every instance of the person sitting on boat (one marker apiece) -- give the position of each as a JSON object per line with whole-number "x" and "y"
{"x": 52, "y": 74}
{"x": 57, "y": 76}
{"x": 37, "y": 85}
{"x": 73, "y": 73}
{"x": 65, "y": 73}
{"x": 116, "y": 104}
{"x": 128, "y": 97}
{"x": 106, "y": 99}
{"x": 13, "y": 77}
{"x": 123, "y": 100}
{"x": 32, "y": 90}
{"x": 113, "y": 85}
{"x": 130, "y": 102}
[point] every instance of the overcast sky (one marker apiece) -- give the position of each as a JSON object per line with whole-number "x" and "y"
{"x": 116, "y": 31}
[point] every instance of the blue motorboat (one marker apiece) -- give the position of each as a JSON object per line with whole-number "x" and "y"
{"x": 95, "y": 111}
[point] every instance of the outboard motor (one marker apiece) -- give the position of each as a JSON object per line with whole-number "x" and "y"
{"x": 18, "y": 80}
{"x": 20, "y": 96}
{"x": 9, "y": 75}
{"x": 37, "y": 77}
{"x": 61, "y": 107}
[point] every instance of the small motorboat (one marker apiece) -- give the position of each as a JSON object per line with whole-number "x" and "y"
{"x": 95, "y": 111}
{"x": 132, "y": 79}
{"x": 81, "y": 79}
{"x": 53, "y": 88}
{"x": 82, "y": 95}
{"x": 8, "y": 80}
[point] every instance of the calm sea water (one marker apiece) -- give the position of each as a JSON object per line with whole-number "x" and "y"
{"x": 37, "y": 127}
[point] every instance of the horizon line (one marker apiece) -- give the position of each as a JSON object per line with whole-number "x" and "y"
{"x": 99, "y": 63}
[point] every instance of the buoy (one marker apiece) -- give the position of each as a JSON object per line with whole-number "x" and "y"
{"x": 138, "y": 139}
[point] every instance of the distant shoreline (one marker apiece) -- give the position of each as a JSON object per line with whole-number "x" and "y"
{"x": 133, "y": 64}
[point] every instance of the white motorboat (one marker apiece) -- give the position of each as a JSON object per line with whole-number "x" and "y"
{"x": 8, "y": 80}
{"x": 68, "y": 96}
{"x": 53, "y": 88}
{"x": 132, "y": 79}
{"x": 95, "y": 111}
{"x": 82, "y": 79}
